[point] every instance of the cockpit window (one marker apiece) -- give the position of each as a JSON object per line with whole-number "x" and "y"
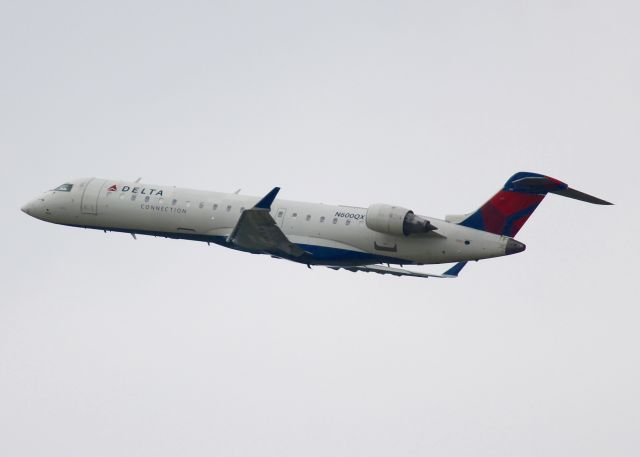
{"x": 64, "y": 188}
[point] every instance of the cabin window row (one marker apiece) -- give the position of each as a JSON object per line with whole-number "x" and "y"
{"x": 321, "y": 219}
{"x": 228, "y": 208}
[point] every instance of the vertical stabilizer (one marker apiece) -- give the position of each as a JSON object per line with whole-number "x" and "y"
{"x": 507, "y": 211}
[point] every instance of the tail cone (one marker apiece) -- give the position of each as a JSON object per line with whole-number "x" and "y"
{"x": 513, "y": 247}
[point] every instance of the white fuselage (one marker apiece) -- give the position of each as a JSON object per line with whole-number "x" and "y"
{"x": 332, "y": 234}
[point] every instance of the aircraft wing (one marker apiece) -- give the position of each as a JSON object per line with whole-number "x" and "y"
{"x": 384, "y": 270}
{"x": 256, "y": 230}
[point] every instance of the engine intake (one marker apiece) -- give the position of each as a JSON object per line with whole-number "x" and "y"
{"x": 395, "y": 220}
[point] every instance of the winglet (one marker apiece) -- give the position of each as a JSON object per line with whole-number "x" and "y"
{"x": 266, "y": 201}
{"x": 454, "y": 270}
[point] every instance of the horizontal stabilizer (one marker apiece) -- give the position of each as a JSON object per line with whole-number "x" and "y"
{"x": 577, "y": 195}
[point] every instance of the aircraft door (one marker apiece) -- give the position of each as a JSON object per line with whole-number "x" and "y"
{"x": 280, "y": 215}
{"x": 89, "y": 203}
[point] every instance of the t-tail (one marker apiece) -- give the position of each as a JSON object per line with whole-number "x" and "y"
{"x": 507, "y": 211}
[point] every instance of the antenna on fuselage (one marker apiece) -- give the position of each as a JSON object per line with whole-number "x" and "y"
{"x": 138, "y": 180}
{"x": 237, "y": 191}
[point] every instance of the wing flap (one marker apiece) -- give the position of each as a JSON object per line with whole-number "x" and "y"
{"x": 385, "y": 270}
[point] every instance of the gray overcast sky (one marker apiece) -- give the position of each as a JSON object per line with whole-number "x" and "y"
{"x": 110, "y": 346}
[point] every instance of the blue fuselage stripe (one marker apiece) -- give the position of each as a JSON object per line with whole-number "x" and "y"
{"x": 318, "y": 255}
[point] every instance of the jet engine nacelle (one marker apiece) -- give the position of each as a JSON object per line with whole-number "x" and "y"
{"x": 395, "y": 220}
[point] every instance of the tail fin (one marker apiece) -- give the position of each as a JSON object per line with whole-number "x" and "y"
{"x": 507, "y": 211}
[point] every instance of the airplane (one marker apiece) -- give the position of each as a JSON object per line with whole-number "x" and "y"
{"x": 352, "y": 238}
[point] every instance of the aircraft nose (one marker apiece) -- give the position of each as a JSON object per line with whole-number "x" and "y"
{"x": 513, "y": 247}
{"x": 33, "y": 207}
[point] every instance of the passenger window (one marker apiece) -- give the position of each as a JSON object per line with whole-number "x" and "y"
{"x": 308, "y": 217}
{"x": 133, "y": 198}
{"x": 335, "y": 220}
{"x": 294, "y": 215}
{"x": 215, "y": 206}
{"x": 348, "y": 222}
{"x": 201, "y": 205}
{"x": 280, "y": 213}
{"x": 228, "y": 207}
{"x": 322, "y": 218}
{"x": 146, "y": 199}
{"x": 174, "y": 201}
{"x": 241, "y": 208}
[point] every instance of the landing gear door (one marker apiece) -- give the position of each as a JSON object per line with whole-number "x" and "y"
{"x": 89, "y": 203}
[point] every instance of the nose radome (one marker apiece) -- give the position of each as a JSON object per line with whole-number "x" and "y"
{"x": 513, "y": 247}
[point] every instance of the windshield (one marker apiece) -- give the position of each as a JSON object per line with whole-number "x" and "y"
{"x": 64, "y": 188}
